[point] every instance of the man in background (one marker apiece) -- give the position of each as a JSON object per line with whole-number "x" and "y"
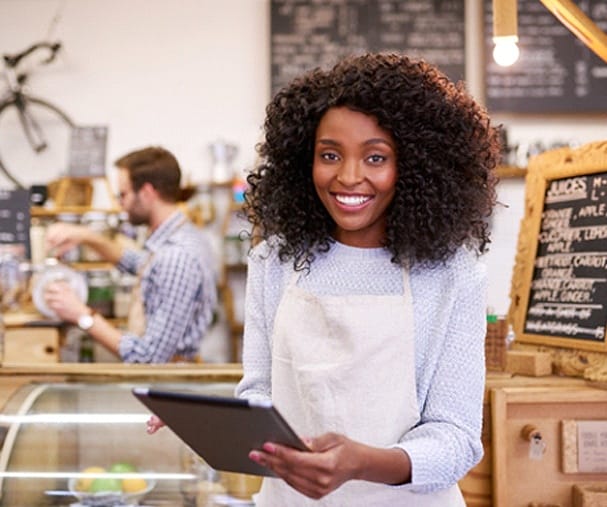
{"x": 175, "y": 297}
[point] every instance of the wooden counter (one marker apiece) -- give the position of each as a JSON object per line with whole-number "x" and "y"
{"x": 479, "y": 486}
{"x": 14, "y": 376}
{"x": 114, "y": 371}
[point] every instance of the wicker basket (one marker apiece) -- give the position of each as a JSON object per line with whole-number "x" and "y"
{"x": 495, "y": 344}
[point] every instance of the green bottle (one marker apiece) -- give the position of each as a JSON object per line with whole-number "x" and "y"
{"x": 87, "y": 352}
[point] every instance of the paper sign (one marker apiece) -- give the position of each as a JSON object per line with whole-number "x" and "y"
{"x": 592, "y": 446}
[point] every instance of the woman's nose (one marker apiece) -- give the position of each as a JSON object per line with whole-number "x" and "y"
{"x": 349, "y": 172}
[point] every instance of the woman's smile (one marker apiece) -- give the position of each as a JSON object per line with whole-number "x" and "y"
{"x": 352, "y": 201}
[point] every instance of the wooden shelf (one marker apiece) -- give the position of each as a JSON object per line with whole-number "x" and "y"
{"x": 237, "y": 328}
{"x": 236, "y": 267}
{"x": 92, "y": 266}
{"x": 510, "y": 171}
{"x": 39, "y": 211}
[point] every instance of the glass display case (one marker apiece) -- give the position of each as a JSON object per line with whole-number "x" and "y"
{"x": 85, "y": 444}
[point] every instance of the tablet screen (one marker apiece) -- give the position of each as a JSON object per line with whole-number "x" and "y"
{"x": 222, "y": 430}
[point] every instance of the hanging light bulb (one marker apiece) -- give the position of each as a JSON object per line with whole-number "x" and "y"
{"x": 505, "y": 32}
{"x": 506, "y": 51}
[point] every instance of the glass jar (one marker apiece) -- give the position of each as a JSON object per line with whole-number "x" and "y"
{"x": 87, "y": 350}
{"x": 123, "y": 295}
{"x": 38, "y": 227}
{"x": 53, "y": 271}
{"x": 69, "y": 352}
{"x": 73, "y": 254}
{"x": 205, "y": 483}
{"x": 101, "y": 292}
{"x": 98, "y": 222}
{"x": 232, "y": 253}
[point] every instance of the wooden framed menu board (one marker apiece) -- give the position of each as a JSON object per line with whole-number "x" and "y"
{"x": 307, "y": 34}
{"x": 556, "y": 72}
{"x": 559, "y": 283}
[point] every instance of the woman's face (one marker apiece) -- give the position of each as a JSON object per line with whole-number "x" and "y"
{"x": 354, "y": 173}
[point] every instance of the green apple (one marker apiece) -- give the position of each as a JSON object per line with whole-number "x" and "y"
{"x": 122, "y": 468}
{"x": 106, "y": 485}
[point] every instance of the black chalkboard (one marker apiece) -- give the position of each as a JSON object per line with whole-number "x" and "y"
{"x": 87, "y": 152}
{"x": 306, "y": 34}
{"x": 15, "y": 222}
{"x": 556, "y": 72}
{"x": 568, "y": 294}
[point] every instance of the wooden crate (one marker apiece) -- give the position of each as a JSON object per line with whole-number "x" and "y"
{"x": 518, "y": 479}
{"x": 28, "y": 345}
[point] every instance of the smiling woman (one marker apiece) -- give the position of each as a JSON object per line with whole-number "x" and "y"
{"x": 372, "y": 196}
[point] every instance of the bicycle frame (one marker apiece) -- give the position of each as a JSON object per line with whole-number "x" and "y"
{"x": 16, "y": 96}
{"x": 30, "y": 126}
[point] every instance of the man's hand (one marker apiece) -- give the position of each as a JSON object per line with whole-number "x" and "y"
{"x": 61, "y": 299}
{"x": 61, "y": 237}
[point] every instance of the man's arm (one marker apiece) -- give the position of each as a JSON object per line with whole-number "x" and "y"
{"x": 176, "y": 279}
{"x": 61, "y": 237}
{"x": 64, "y": 302}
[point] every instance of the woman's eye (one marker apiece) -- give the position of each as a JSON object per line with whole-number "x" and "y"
{"x": 376, "y": 159}
{"x": 329, "y": 156}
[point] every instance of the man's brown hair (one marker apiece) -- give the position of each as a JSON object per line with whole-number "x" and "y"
{"x": 156, "y": 166}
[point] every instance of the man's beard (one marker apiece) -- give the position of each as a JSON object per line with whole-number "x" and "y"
{"x": 137, "y": 219}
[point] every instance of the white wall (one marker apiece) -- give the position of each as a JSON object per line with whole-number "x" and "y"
{"x": 185, "y": 73}
{"x": 179, "y": 73}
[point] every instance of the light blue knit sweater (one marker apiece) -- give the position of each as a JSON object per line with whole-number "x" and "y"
{"x": 449, "y": 306}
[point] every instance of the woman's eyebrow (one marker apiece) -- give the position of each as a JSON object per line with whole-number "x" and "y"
{"x": 375, "y": 140}
{"x": 327, "y": 141}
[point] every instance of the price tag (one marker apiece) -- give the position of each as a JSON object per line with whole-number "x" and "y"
{"x": 537, "y": 448}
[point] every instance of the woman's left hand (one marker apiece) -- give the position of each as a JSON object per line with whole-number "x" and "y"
{"x": 153, "y": 424}
{"x": 333, "y": 459}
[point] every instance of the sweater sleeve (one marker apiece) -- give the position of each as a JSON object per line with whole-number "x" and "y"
{"x": 256, "y": 353}
{"x": 446, "y": 443}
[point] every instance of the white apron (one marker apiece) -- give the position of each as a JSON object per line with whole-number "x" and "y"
{"x": 347, "y": 364}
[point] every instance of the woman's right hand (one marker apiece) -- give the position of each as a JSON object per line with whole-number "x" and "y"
{"x": 154, "y": 424}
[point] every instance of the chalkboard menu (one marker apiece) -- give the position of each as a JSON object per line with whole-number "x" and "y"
{"x": 556, "y": 72}
{"x": 568, "y": 296}
{"x": 15, "y": 222}
{"x": 306, "y": 34}
{"x": 87, "y": 152}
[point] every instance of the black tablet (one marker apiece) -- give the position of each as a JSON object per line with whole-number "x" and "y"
{"x": 221, "y": 430}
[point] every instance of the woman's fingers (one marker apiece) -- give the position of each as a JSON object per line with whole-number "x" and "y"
{"x": 315, "y": 473}
{"x": 154, "y": 424}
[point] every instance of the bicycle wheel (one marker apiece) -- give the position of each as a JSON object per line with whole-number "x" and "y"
{"x": 20, "y": 164}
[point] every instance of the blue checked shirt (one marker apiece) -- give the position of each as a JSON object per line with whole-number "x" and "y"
{"x": 178, "y": 288}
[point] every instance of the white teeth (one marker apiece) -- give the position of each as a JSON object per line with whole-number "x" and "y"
{"x": 352, "y": 200}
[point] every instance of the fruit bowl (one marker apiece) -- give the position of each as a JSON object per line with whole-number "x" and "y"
{"x": 109, "y": 498}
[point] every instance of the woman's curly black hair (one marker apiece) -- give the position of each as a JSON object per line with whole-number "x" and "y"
{"x": 446, "y": 150}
